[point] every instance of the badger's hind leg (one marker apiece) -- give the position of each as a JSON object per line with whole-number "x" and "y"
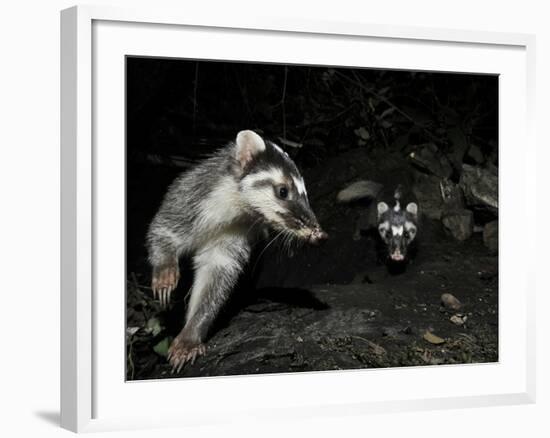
{"x": 217, "y": 270}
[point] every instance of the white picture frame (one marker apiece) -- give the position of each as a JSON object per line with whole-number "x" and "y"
{"x": 94, "y": 395}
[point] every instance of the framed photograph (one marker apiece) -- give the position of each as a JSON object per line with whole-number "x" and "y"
{"x": 253, "y": 208}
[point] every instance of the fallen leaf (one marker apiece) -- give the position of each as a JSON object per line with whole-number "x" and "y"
{"x": 377, "y": 349}
{"x": 131, "y": 331}
{"x": 153, "y": 326}
{"x": 433, "y": 339}
{"x": 162, "y": 347}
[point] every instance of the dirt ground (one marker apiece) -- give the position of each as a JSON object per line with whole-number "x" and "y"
{"x": 328, "y": 308}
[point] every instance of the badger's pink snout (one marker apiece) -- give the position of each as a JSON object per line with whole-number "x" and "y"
{"x": 397, "y": 256}
{"x": 317, "y": 236}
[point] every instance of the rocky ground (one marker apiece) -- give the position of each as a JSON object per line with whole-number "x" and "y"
{"x": 335, "y": 307}
{"x": 377, "y": 320}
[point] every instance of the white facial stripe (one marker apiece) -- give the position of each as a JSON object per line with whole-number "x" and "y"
{"x": 384, "y": 226}
{"x": 397, "y": 206}
{"x": 278, "y": 148}
{"x": 298, "y": 181}
{"x": 397, "y": 231}
{"x": 300, "y": 185}
{"x": 264, "y": 201}
{"x": 272, "y": 174}
{"x": 262, "y": 197}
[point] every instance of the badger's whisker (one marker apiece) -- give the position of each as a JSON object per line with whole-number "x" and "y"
{"x": 291, "y": 242}
{"x": 256, "y": 222}
{"x": 265, "y": 248}
{"x": 288, "y": 243}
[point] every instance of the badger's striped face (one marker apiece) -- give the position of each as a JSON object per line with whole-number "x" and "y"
{"x": 273, "y": 187}
{"x": 397, "y": 228}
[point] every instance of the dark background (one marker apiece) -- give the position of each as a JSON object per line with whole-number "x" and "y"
{"x": 339, "y": 125}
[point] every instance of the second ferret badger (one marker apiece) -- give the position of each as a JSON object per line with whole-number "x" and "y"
{"x": 392, "y": 216}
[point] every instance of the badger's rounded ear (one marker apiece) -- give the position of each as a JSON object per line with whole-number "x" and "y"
{"x": 382, "y": 207}
{"x": 412, "y": 208}
{"x": 249, "y": 144}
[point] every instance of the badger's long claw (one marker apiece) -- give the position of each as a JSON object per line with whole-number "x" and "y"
{"x": 164, "y": 297}
{"x": 154, "y": 288}
{"x": 167, "y": 296}
{"x": 182, "y": 351}
{"x": 165, "y": 280}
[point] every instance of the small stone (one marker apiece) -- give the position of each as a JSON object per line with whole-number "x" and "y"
{"x": 450, "y": 301}
{"x": 458, "y": 319}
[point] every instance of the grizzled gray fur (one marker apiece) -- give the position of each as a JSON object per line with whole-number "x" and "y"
{"x": 214, "y": 213}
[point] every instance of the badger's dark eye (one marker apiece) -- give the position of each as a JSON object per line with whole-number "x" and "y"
{"x": 406, "y": 234}
{"x": 282, "y": 192}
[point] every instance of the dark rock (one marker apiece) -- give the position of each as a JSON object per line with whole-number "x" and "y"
{"x": 491, "y": 168}
{"x": 490, "y": 236}
{"x": 480, "y": 188}
{"x": 359, "y": 190}
{"x": 428, "y": 193}
{"x": 451, "y": 195}
{"x": 366, "y": 222}
{"x": 459, "y": 223}
{"x": 475, "y": 154}
{"x": 429, "y": 159}
{"x": 459, "y": 143}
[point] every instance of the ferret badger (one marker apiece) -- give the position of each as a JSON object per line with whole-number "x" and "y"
{"x": 213, "y": 213}
{"x": 392, "y": 215}
{"x": 397, "y": 225}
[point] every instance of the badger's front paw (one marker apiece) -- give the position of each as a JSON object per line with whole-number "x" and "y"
{"x": 165, "y": 280}
{"x": 183, "y": 350}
